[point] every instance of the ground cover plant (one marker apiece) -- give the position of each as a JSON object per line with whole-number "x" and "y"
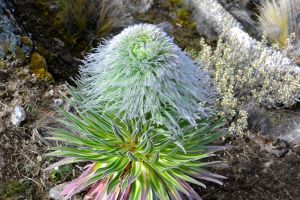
{"x": 242, "y": 78}
{"x": 132, "y": 156}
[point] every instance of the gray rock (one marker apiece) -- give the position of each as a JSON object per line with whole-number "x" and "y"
{"x": 140, "y": 6}
{"x": 258, "y": 119}
{"x": 59, "y": 102}
{"x": 59, "y": 42}
{"x": 166, "y": 26}
{"x": 10, "y": 33}
{"x": 18, "y": 116}
{"x": 56, "y": 190}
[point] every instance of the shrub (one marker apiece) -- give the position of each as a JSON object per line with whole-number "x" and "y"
{"x": 141, "y": 72}
{"x": 242, "y": 77}
{"x": 279, "y": 19}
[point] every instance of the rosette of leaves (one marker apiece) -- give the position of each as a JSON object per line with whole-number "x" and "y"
{"x": 142, "y": 73}
{"x": 133, "y": 160}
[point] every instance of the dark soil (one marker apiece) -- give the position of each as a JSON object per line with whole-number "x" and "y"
{"x": 258, "y": 169}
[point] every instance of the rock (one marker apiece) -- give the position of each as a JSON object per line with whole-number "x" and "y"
{"x": 258, "y": 119}
{"x": 10, "y": 33}
{"x": 53, "y": 8}
{"x": 166, "y": 26}
{"x": 59, "y": 42}
{"x": 59, "y": 102}
{"x": 223, "y": 23}
{"x": 18, "y": 116}
{"x": 56, "y": 190}
{"x": 140, "y": 6}
{"x": 51, "y": 92}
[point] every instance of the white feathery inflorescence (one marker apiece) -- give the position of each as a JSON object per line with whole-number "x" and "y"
{"x": 139, "y": 72}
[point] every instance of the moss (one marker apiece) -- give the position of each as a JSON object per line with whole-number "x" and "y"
{"x": 14, "y": 188}
{"x": 2, "y": 64}
{"x": 60, "y": 174}
{"x": 5, "y": 47}
{"x": 37, "y": 62}
{"x": 184, "y": 18}
{"x": 20, "y": 55}
{"x": 26, "y": 41}
{"x": 38, "y": 67}
{"x": 176, "y": 2}
{"x": 43, "y": 51}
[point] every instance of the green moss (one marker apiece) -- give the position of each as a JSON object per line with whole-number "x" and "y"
{"x": 5, "y": 47}
{"x": 14, "y": 188}
{"x": 20, "y": 55}
{"x": 38, "y": 67}
{"x": 26, "y": 41}
{"x": 176, "y": 2}
{"x": 2, "y": 64}
{"x": 60, "y": 174}
{"x": 184, "y": 18}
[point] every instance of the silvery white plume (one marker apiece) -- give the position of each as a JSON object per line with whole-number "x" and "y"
{"x": 141, "y": 72}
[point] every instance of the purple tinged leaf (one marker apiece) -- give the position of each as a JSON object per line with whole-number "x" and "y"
{"x": 61, "y": 162}
{"x": 97, "y": 190}
{"x": 191, "y": 191}
{"x": 126, "y": 193}
{"x": 208, "y": 178}
{"x": 78, "y": 184}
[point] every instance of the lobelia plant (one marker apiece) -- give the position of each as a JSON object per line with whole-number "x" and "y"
{"x": 132, "y": 160}
{"x": 141, "y": 72}
{"x": 131, "y": 156}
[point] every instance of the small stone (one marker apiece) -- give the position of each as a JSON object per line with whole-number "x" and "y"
{"x": 166, "y": 26}
{"x": 18, "y": 116}
{"x": 268, "y": 164}
{"x": 140, "y": 6}
{"x": 59, "y": 102}
{"x": 56, "y": 190}
{"x": 59, "y": 42}
{"x": 53, "y": 8}
{"x": 51, "y": 92}
{"x": 39, "y": 158}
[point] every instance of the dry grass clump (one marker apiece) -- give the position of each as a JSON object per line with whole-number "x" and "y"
{"x": 88, "y": 20}
{"x": 242, "y": 77}
{"x": 279, "y": 19}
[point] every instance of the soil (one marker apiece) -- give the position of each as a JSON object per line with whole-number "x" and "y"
{"x": 259, "y": 167}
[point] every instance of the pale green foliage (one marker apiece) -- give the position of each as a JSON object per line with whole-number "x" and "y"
{"x": 279, "y": 19}
{"x": 242, "y": 77}
{"x": 141, "y": 72}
